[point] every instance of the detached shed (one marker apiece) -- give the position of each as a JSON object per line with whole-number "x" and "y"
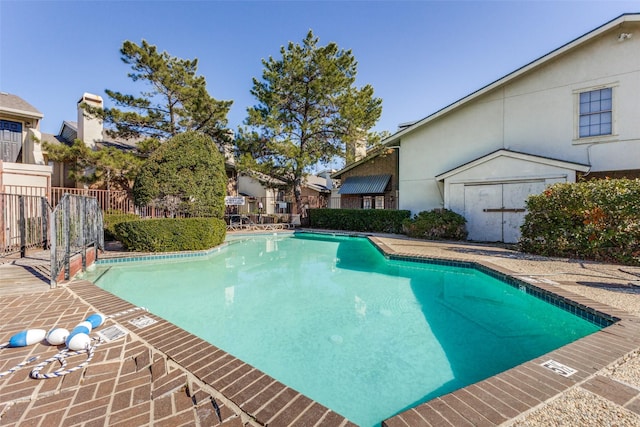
{"x": 491, "y": 191}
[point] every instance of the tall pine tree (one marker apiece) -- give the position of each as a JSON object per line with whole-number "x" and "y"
{"x": 308, "y": 112}
{"x": 175, "y": 100}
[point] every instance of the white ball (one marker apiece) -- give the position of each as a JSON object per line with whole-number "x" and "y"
{"x": 78, "y": 341}
{"x": 57, "y": 336}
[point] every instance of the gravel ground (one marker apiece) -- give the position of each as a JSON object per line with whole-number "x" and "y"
{"x": 579, "y": 407}
{"x": 626, "y": 371}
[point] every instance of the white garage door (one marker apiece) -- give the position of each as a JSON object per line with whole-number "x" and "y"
{"x": 495, "y": 212}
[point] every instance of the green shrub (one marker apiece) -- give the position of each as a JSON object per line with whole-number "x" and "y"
{"x": 186, "y": 176}
{"x": 171, "y": 234}
{"x": 598, "y": 219}
{"x": 437, "y": 224}
{"x": 111, "y": 219}
{"x": 364, "y": 220}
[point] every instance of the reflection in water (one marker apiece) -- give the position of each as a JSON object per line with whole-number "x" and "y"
{"x": 361, "y": 307}
{"x": 229, "y": 294}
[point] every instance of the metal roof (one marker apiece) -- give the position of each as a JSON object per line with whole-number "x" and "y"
{"x": 372, "y": 184}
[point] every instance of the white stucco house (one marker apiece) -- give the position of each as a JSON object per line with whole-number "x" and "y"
{"x": 573, "y": 112}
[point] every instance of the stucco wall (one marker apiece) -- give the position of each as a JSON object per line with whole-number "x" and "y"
{"x": 535, "y": 113}
{"x": 18, "y": 178}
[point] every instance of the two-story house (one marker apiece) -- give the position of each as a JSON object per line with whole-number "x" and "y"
{"x": 571, "y": 114}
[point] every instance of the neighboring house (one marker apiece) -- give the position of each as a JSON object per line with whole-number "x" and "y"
{"x": 571, "y": 114}
{"x": 23, "y": 166}
{"x": 91, "y": 131}
{"x": 316, "y": 191}
{"x": 371, "y": 182}
{"x": 258, "y": 188}
{"x": 88, "y": 129}
{"x": 262, "y": 193}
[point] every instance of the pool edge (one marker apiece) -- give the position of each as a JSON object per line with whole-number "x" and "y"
{"x": 509, "y": 394}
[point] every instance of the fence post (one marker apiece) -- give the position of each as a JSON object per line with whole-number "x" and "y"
{"x": 53, "y": 251}
{"x": 83, "y": 212}
{"x": 23, "y": 228}
{"x": 66, "y": 234}
{"x": 45, "y": 222}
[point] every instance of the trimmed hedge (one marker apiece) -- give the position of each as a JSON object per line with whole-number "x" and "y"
{"x": 598, "y": 220}
{"x": 372, "y": 220}
{"x": 111, "y": 219}
{"x": 171, "y": 234}
{"x": 437, "y": 224}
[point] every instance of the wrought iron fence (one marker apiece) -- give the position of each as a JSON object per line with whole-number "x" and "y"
{"x": 76, "y": 224}
{"x": 108, "y": 200}
{"x": 24, "y": 223}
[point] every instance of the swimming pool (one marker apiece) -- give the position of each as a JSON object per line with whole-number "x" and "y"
{"x": 334, "y": 319}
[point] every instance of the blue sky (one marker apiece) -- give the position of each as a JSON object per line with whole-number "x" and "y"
{"x": 418, "y": 55}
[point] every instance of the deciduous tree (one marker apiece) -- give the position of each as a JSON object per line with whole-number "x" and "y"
{"x": 185, "y": 175}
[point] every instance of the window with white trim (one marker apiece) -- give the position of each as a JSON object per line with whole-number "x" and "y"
{"x": 366, "y": 202}
{"x": 379, "y": 202}
{"x": 595, "y": 113}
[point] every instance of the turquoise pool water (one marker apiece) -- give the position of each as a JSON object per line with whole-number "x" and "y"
{"x": 332, "y": 318}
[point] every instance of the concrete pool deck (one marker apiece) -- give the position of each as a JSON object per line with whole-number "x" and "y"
{"x": 162, "y": 375}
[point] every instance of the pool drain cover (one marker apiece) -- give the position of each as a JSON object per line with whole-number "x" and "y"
{"x": 142, "y": 321}
{"x": 112, "y": 333}
{"x": 559, "y": 368}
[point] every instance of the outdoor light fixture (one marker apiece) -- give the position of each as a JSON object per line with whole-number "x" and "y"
{"x": 624, "y": 36}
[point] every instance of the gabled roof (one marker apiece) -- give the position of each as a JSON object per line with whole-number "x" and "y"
{"x": 627, "y": 17}
{"x": 264, "y": 179}
{"x": 16, "y": 105}
{"x": 316, "y": 183}
{"x": 68, "y": 131}
{"x": 52, "y": 139}
{"x": 375, "y": 152}
{"x": 515, "y": 155}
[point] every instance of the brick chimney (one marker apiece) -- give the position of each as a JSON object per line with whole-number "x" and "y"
{"x": 89, "y": 128}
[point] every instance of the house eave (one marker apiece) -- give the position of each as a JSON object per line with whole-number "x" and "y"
{"x": 627, "y": 17}
{"x": 579, "y": 167}
{"x": 375, "y": 153}
{"x": 23, "y": 113}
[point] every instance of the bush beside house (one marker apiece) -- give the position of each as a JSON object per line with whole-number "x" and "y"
{"x": 437, "y": 224}
{"x": 598, "y": 220}
{"x": 186, "y": 176}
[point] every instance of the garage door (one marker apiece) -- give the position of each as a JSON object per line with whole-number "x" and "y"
{"x": 495, "y": 212}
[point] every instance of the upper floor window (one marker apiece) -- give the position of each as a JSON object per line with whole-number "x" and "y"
{"x": 595, "y": 113}
{"x": 10, "y": 140}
